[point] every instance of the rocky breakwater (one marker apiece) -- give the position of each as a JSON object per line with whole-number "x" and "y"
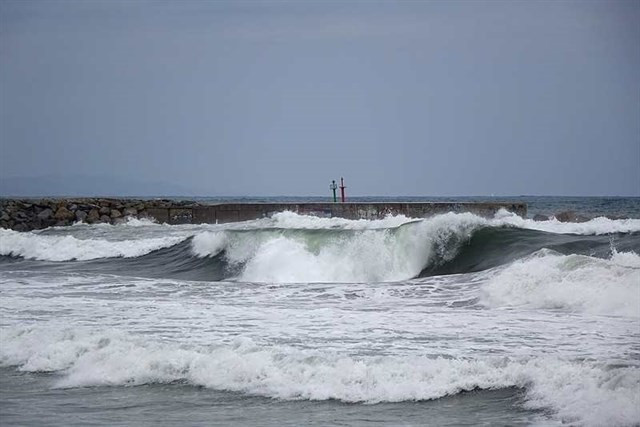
{"x": 26, "y": 215}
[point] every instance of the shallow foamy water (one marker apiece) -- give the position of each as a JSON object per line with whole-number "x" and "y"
{"x": 296, "y": 320}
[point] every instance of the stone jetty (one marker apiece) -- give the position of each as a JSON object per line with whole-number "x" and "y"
{"x": 31, "y": 214}
{"x": 28, "y": 214}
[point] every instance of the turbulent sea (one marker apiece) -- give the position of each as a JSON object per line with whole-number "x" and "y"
{"x": 296, "y": 320}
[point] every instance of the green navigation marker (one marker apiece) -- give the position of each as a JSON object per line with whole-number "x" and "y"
{"x": 334, "y": 186}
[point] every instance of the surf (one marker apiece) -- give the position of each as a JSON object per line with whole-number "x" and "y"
{"x": 291, "y": 248}
{"x": 583, "y": 392}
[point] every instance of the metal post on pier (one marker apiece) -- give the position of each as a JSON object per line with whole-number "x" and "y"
{"x": 342, "y": 187}
{"x": 333, "y": 187}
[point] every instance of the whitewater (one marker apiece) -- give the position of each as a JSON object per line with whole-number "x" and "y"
{"x": 289, "y": 320}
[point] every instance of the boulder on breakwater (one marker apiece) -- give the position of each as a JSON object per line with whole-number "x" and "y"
{"x": 27, "y": 214}
{"x": 572, "y": 216}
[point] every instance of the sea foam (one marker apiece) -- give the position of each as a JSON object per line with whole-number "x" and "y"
{"x": 595, "y": 226}
{"x": 65, "y": 248}
{"x": 398, "y": 251}
{"x": 580, "y": 392}
{"x": 547, "y": 279}
{"x": 356, "y": 254}
{"x": 288, "y": 248}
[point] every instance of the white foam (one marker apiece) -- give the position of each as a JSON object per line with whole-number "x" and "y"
{"x": 128, "y": 222}
{"x": 376, "y": 251}
{"x": 139, "y": 222}
{"x": 389, "y": 249}
{"x": 288, "y": 219}
{"x": 578, "y": 392}
{"x": 595, "y": 226}
{"x": 208, "y": 244}
{"x": 361, "y": 255}
{"x": 573, "y": 282}
{"x": 377, "y": 254}
{"x": 65, "y": 248}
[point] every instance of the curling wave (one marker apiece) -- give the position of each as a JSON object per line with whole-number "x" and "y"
{"x": 290, "y": 248}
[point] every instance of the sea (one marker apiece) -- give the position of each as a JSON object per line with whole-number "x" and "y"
{"x": 452, "y": 320}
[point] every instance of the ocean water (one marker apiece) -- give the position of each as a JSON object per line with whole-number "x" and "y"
{"x": 295, "y": 320}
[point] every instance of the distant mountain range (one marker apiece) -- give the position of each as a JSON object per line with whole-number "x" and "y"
{"x": 89, "y": 185}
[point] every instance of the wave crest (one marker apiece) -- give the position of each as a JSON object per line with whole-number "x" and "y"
{"x": 293, "y": 248}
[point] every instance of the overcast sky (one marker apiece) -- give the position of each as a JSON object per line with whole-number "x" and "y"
{"x": 278, "y": 98}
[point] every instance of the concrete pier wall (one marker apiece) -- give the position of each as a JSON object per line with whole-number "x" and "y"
{"x": 231, "y": 212}
{"x": 30, "y": 214}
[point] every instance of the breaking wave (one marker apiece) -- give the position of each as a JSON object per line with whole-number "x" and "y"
{"x": 550, "y": 280}
{"x": 66, "y": 248}
{"x": 290, "y": 248}
{"x": 585, "y": 392}
{"x": 347, "y": 255}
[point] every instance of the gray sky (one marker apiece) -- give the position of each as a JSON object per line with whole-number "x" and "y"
{"x": 278, "y": 98}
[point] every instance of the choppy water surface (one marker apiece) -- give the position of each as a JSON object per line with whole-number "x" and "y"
{"x": 296, "y": 320}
